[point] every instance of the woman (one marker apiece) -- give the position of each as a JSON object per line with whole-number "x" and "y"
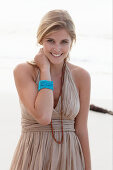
{"x": 54, "y": 97}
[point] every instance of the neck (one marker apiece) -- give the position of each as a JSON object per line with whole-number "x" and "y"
{"x": 56, "y": 70}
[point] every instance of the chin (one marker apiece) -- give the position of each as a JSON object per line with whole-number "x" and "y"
{"x": 55, "y": 61}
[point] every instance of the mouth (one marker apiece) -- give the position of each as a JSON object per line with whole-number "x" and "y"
{"x": 56, "y": 55}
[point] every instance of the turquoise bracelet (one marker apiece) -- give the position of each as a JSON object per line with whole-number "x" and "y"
{"x": 45, "y": 84}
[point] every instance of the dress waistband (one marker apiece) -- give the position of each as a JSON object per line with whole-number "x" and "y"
{"x": 30, "y": 126}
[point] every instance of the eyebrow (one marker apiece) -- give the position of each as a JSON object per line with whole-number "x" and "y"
{"x": 65, "y": 40}
{"x": 54, "y": 39}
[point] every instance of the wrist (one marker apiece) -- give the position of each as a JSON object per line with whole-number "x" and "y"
{"x": 45, "y": 74}
{"x": 45, "y": 84}
{"x": 45, "y": 69}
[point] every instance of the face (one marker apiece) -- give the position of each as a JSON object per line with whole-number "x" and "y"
{"x": 57, "y": 46}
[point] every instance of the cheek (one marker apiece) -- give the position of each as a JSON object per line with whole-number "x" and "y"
{"x": 67, "y": 49}
{"x": 46, "y": 47}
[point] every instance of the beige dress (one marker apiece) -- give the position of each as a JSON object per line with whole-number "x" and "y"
{"x": 37, "y": 150}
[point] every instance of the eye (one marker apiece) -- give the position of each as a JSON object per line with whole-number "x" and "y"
{"x": 64, "y": 41}
{"x": 50, "y": 40}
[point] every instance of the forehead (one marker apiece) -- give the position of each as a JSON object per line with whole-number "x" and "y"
{"x": 59, "y": 34}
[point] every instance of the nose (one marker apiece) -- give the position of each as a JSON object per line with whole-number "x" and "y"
{"x": 57, "y": 48}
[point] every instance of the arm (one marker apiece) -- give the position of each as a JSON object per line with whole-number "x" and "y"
{"x": 38, "y": 104}
{"x": 82, "y": 117}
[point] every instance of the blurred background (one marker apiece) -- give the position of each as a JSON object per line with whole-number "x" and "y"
{"x": 19, "y": 21}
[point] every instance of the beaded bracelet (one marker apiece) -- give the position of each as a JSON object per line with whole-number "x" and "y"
{"x": 45, "y": 84}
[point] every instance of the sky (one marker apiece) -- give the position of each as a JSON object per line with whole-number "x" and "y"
{"x": 91, "y": 17}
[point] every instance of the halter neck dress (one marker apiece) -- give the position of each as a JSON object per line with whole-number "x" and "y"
{"x": 36, "y": 148}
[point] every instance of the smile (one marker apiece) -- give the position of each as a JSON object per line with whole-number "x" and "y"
{"x": 56, "y": 55}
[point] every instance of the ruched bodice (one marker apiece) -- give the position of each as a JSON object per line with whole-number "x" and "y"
{"x": 37, "y": 150}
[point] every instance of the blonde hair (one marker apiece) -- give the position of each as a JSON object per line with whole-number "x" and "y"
{"x": 53, "y": 21}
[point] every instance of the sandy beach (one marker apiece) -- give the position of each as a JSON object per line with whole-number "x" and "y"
{"x": 100, "y": 137}
{"x": 19, "y": 21}
{"x": 99, "y": 125}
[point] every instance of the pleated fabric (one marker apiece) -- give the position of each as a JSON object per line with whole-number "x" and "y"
{"x": 37, "y": 150}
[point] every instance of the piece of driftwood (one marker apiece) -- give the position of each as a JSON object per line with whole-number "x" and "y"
{"x": 100, "y": 109}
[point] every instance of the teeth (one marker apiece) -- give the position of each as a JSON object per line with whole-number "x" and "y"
{"x": 56, "y": 55}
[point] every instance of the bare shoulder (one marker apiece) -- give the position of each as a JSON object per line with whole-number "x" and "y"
{"x": 25, "y": 69}
{"x": 80, "y": 75}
